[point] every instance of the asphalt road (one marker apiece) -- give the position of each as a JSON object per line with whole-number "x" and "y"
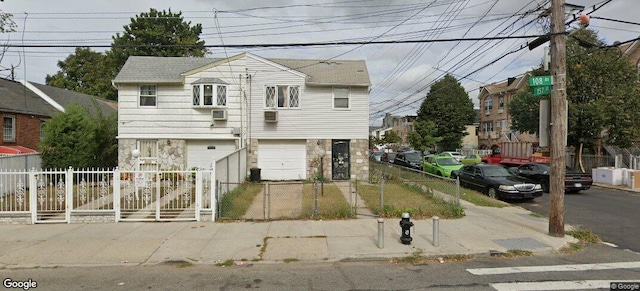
{"x": 611, "y": 214}
{"x": 365, "y": 275}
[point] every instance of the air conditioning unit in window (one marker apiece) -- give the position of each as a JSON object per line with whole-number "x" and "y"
{"x": 219, "y": 114}
{"x": 271, "y": 116}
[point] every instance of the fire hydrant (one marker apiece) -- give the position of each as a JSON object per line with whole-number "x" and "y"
{"x": 406, "y": 225}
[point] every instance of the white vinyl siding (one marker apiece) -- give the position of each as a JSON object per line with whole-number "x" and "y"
{"x": 282, "y": 159}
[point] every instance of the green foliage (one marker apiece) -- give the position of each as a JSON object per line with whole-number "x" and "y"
{"x": 84, "y": 72}
{"x": 450, "y": 109}
{"x": 391, "y": 137}
{"x": 423, "y": 138}
{"x": 155, "y": 33}
{"x": 525, "y": 111}
{"x": 6, "y": 24}
{"x": 69, "y": 140}
{"x": 602, "y": 93}
{"x": 75, "y": 139}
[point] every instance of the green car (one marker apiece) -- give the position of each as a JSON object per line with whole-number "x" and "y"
{"x": 440, "y": 165}
{"x": 471, "y": 160}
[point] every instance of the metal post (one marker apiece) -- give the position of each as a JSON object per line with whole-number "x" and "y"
{"x": 381, "y": 196}
{"x": 436, "y": 230}
{"x": 315, "y": 200}
{"x": 350, "y": 199}
{"x": 458, "y": 190}
{"x": 381, "y": 233}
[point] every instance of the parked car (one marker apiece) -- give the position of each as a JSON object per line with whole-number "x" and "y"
{"x": 574, "y": 181}
{"x": 411, "y": 160}
{"x": 497, "y": 182}
{"x": 375, "y": 156}
{"x": 388, "y": 157}
{"x": 471, "y": 159}
{"x": 456, "y": 155}
{"x": 440, "y": 165}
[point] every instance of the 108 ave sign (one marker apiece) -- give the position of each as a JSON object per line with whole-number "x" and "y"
{"x": 540, "y": 81}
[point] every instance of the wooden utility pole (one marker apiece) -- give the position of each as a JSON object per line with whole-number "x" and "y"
{"x": 558, "y": 119}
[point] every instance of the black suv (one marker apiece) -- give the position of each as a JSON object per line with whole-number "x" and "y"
{"x": 411, "y": 160}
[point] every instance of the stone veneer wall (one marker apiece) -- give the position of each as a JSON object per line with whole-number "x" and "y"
{"x": 317, "y": 148}
{"x": 171, "y": 154}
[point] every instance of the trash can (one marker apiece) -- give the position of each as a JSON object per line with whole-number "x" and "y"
{"x": 255, "y": 175}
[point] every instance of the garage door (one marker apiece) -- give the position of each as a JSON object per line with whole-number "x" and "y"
{"x": 282, "y": 159}
{"x": 201, "y": 153}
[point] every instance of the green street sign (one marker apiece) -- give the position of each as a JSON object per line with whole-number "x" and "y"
{"x": 540, "y": 81}
{"x": 541, "y": 90}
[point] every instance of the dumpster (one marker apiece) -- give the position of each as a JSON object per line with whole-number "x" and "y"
{"x": 255, "y": 175}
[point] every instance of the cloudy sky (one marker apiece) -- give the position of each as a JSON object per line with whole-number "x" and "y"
{"x": 401, "y": 73}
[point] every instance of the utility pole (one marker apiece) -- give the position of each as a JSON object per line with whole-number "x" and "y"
{"x": 558, "y": 119}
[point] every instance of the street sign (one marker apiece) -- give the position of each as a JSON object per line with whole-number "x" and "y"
{"x": 541, "y": 90}
{"x": 540, "y": 81}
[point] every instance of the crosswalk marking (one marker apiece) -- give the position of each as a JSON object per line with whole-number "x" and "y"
{"x": 556, "y": 285}
{"x": 554, "y": 268}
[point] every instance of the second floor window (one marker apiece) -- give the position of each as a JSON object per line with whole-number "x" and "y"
{"x": 341, "y": 98}
{"x": 488, "y": 104}
{"x": 209, "y": 95}
{"x": 9, "y": 128}
{"x": 501, "y": 103}
{"x": 282, "y": 96}
{"x": 488, "y": 126}
{"x": 148, "y": 95}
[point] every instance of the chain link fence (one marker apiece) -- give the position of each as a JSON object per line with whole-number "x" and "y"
{"x": 284, "y": 200}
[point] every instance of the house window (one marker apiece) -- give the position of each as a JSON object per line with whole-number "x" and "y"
{"x": 488, "y": 126}
{"x": 488, "y": 104}
{"x": 203, "y": 95}
{"x": 341, "y": 98}
{"x": 9, "y": 128}
{"x": 42, "y": 135}
{"x": 148, "y": 150}
{"x": 148, "y": 95}
{"x": 500, "y": 104}
{"x": 499, "y": 124}
{"x": 282, "y": 96}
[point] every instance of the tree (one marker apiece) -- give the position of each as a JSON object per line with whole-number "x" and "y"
{"x": 602, "y": 96}
{"x": 84, "y": 72}
{"x": 423, "y": 138}
{"x": 76, "y": 139}
{"x": 156, "y": 33}
{"x": 6, "y": 23}
{"x": 391, "y": 137}
{"x": 450, "y": 109}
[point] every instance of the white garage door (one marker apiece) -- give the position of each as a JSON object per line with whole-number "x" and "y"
{"x": 201, "y": 153}
{"x": 282, "y": 159}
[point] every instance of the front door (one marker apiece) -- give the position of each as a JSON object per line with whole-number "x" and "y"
{"x": 340, "y": 168}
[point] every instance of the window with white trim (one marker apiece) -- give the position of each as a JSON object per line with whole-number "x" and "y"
{"x": 501, "y": 103}
{"x": 488, "y": 104}
{"x": 209, "y": 95}
{"x": 341, "y": 98}
{"x": 488, "y": 126}
{"x": 282, "y": 96}
{"x": 9, "y": 128}
{"x": 148, "y": 95}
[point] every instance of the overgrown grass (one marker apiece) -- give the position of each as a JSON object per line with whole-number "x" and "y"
{"x": 331, "y": 205}
{"x": 236, "y": 203}
{"x": 399, "y": 198}
{"x": 584, "y": 235}
{"x": 437, "y": 184}
{"x": 515, "y": 254}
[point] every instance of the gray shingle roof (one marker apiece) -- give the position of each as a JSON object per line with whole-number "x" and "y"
{"x": 141, "y": 69}
{"x": 332, "y": 72}
{"x": 145, "y": 69}
{"x": 16, "y": 98}
{"x": 66, "y": 97}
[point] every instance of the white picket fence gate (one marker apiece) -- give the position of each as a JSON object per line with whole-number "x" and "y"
{"x": 101, "y": 195}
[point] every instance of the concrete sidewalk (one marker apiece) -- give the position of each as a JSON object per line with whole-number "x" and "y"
{"x": 482, "y": 230}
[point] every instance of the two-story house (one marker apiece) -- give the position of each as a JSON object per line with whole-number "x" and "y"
{"x": 25, "y": 107}
{"x": 293, "y": 117}
{"x": 495, "y": 121}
